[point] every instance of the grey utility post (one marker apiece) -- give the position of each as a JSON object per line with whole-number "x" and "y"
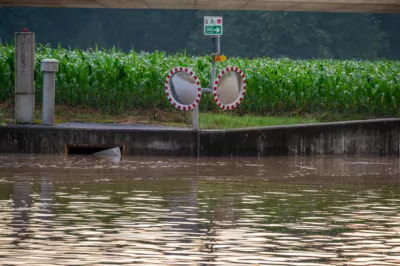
{"x": 216, "y": 49}
{"x": 24, "y": 77}
{"x": 49, "y": 67}
{"x": 213, "y": 28}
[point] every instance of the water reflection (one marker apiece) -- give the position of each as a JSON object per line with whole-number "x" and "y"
{"x": 46, "y": 200}
{"x": 163, "y": 211}
{"x": 22, "y": 202}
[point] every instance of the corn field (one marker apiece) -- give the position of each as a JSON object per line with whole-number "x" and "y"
{"x": 116, "y": 81}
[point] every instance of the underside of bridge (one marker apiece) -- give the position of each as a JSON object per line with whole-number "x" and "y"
{"x": 373, "y": 6}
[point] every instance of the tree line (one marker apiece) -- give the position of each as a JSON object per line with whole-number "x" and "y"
{"x": 297, "y": 35}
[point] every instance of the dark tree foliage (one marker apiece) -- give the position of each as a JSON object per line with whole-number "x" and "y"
{"x": 246, "y": 33}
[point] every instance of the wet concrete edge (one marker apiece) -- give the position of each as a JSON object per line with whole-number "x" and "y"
{"x": 369, "y": 137}
{"x": 365, "y": 137}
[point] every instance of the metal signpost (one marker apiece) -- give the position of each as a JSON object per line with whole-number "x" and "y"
{"x": 182, "y": 86}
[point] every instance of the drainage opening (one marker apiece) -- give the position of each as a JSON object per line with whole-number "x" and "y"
{"x": 90, "y": 149}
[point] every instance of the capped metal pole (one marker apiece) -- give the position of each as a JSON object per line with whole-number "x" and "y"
{"x": 49, "y": 67}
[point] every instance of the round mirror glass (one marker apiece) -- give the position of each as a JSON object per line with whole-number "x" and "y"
{"x": 229, "y": 88}
{"x": 183, "y": 88}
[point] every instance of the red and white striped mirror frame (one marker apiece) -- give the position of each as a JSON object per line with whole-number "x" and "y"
{"x": 168, "y": 92}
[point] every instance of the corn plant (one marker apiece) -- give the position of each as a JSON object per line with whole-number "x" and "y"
{"x": 117, "y": 81}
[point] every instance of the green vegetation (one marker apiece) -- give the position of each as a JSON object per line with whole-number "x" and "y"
{"x": 66, "y": 114}
{"x": 115, "y": 82}
{"x": 211, "y": 121}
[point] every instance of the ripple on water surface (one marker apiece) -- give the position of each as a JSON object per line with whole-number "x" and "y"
{"x": 172, "y": 211}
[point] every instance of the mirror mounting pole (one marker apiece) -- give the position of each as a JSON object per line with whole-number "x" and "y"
{"x": 215, "y": 51}
{"x": 206, "y": 90}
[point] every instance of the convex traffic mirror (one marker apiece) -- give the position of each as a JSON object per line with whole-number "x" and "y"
{"x": 182, "y": 88}
{"x": 229, "y": 88}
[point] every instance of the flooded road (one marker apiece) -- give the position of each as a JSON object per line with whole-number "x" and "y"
{"x": 83, "y": 210}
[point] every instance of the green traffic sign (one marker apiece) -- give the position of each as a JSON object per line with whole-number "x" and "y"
{"x": 213, "y": 30}
{"x": 212, "y": 25}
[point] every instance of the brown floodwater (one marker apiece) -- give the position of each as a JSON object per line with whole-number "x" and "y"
{"x": 86, "y": 210}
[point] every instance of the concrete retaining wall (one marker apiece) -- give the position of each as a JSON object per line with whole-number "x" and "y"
{"x": 372, "y": 137}
{"x": 52, "y": 140}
